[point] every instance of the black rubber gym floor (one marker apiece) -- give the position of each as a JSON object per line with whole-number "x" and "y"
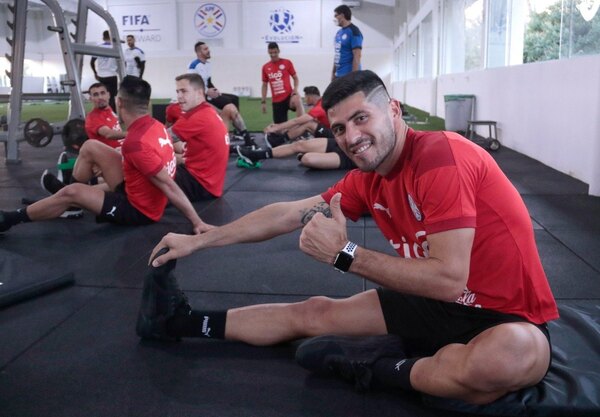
{"x": 74, "y": 352}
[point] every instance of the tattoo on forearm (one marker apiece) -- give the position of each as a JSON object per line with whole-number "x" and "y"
{"x": 307, "y": 215}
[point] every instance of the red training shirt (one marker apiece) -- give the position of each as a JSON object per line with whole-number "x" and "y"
{"x": 207, "y": 146}
{"x": 278, "y": 74}
{"x": 146, "y": 150}
{"x": 443, "y": 182}
{"x": 103, "y": 117}
{"x": 318, "y": 113}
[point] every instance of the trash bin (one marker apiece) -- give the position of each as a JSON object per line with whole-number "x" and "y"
{"x": 459, "y": 110}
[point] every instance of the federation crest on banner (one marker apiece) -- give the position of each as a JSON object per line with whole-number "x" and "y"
{"x": 281, "y": 23}
{"x": 209, "y": 20}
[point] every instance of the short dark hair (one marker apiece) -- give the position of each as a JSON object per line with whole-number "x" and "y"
{"x": 198, "y": 45}
{"x": 193, "y": 78}
{"x": 106, "y": 35}
{"x": 357, "y": 81}
{"x": 311, "y": 90}
{"x": 273, "y": 45}
{"x": 345, "y": 10}
{"x": 135, "y": 94}
{"x": 98, "y": 85}
{"x": 131, "y": 36}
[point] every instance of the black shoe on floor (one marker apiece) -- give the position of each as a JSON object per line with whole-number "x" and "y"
{"x": 251, "y": 156}
{"x": 50, "y": 183}
{"x": 161, "y": 300}
{"x": 351, "y": 358}
{"x": 272, "y": 140}
{"x": 248, "y": 140}
{"x": 3, "y": 225}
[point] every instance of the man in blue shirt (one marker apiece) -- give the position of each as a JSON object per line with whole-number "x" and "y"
{"x": 348, "y": 43}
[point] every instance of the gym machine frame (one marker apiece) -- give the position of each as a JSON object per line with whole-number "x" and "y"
{"x": 73, "y": 53}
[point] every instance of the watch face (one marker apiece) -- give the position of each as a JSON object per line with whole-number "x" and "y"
{"x": 343, "y": 261}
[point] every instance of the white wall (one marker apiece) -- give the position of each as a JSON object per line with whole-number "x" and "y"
{"x": 238, "y": 55}
{"x": 546, "y": 110}
{"x": 242, "y": 69}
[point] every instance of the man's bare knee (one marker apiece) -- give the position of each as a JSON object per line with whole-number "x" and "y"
{"x": 230, "y": 110}
{"x": 72, "y": 191}
{"x": 517, "y": 358}
{"x": 314, "y": 315}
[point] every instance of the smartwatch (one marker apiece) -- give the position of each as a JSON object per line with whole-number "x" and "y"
{"x": 344, "y": 258}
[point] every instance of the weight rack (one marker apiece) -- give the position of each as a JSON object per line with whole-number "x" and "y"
{"x": 72, "y": 51}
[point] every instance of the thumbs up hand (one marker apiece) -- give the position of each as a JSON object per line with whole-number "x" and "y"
{"x": 323, "y": 237}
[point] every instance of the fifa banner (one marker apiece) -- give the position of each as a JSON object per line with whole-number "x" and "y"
{"x": 153, "y": 25}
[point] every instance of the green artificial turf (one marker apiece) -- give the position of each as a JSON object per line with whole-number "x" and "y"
{"x": 249, "y": 107}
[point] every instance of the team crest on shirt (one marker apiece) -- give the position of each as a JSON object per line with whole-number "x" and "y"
{"x": 344, "y": 36}
{"x": 281, "y": 67}
{"x": 413, "y": 206}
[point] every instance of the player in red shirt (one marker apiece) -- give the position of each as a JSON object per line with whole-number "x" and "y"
{"x": 206, "y": 151}
{"x": 172, "y": 113}
{"x": 321, "y": 152}
{"x": 146, "y": 164}
{"x": 462, "y": 310}
{"x": 102, "y": 123}
{"x": 314, "y": 122}
{"x": 277, "y": 73}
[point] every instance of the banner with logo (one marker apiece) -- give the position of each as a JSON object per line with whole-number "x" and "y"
{"x": 284, "y": 22}
{"x": 210, "y": 20}
{"x": 153, "y": 25}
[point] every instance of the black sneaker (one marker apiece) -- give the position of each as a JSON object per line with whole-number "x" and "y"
{"x": 251, "y": 156}
{"x": 275, "y": 139}
{"x": 161, "y": 300}
{"x": 50, "y": 183}
{"x": 351, "y": 358}
{"x": 248, "y": 140}
{"x": 63, "y": 175}
{"x": 3, "y": 225}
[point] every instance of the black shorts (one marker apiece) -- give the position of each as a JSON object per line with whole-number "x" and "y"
{"x": 323, "y": 132}
{"x": 345, "y": 162}
{"x": 427, "y": 325}
{"x": 190, "y": 185}
{"x": 225, "y": 99}
{"x": 117, "y": 209}
{"x": 280, "y": 110}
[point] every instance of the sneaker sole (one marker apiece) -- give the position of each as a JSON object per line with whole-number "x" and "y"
{"x": 62, "y": 158}
{"x": 144, "y": 326}
{"x": 147, "y": 314}
{"x": 244, "y": 157}
{"x": 72, "y": 214}
{"x": 42, "y": 181}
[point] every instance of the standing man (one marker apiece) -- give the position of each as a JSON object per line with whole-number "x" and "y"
{"x": 462, "y": 309}
{"x": 135, "y": 59}
{"x": 107, "y": 70}
{"x": 277, "y": 73}
{"x": 348, "y": 43}
{"x": 205, "y": 141}
{"x": 102, "y": 123}
{"x": 146, "y": 164}
{"x": 227, "y": 103}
